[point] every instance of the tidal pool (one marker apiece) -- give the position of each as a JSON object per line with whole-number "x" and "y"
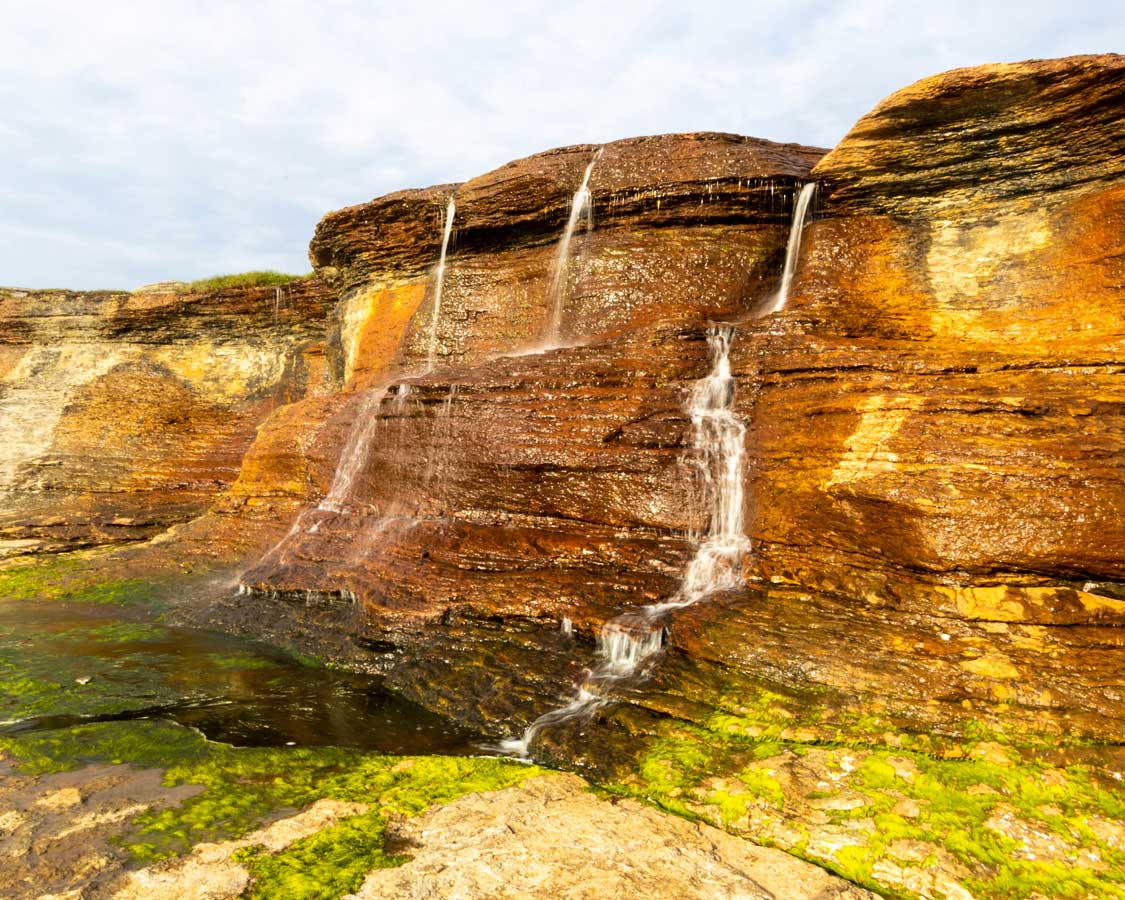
{"x": 65, "y": 663}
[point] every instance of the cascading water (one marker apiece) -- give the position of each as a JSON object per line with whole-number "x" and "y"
{"x": 437, "y": 457}
{"x": 793, "y": 250}
{"x": 627, "y": 641}
{"x": 446, "y": 233}
{"x": 581, "y": 205}
{"x": 353, "y": 458}
{"x": 354, "y": 455}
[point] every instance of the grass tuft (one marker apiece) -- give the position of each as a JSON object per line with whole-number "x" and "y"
{"x": 242, "y": 280}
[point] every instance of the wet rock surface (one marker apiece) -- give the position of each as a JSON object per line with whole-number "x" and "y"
{"x": 935, "y": 432}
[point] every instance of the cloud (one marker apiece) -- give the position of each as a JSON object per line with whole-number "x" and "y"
{"x": 141, "y": 141}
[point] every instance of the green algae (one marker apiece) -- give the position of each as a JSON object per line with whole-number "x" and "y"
{"x": 145, "y": 744}
{"x": 323, "y": 866}
{"x": 245, "y": 787}
{"x": 74, "y": 577}
{"x": 948, "y": 804}
{"x": 120, "y": 633}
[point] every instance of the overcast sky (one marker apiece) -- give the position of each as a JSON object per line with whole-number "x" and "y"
{"x": 144, "y": 141}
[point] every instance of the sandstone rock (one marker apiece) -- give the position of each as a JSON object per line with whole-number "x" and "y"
{"x": 953, "y": 332}
{"x": 550, "y": 837}
{"x": 939, "y": 370}
{"x": 126, "y": 413}
{"x": 58, "y": 829}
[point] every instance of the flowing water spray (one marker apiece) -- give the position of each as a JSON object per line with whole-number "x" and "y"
{"x": 447, "y": 231}
{"x": 581, "y": 206}
{"x": 627, "y": 641}
{"x": 437, "y": 456}
{"x": 354, "y": 455}
{"x": 352, "y": 459}
{"x": 793, "y": 249}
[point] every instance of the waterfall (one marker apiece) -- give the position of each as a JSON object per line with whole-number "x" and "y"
{"x": 437, "y": 456}
{"x": 354, "y": 454}
{"x": 447, "y": 231}
{"x": 793, "y": 249}
{"x": 628, "y": 640}
{"x": 718, "y": 440}
{"x": 581, "y": 204}
{"x": 351, "y": 463}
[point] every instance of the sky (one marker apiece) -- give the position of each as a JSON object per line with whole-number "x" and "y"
{"x": 160, "y": 140}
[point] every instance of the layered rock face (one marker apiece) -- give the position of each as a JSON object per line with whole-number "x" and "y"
{"x": 521, "y": 482}
{"x": 935, "y": 434}
{"x": 937, "y": 439}
{"x": 125, "y": 413}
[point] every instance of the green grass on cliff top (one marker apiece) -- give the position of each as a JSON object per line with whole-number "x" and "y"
{"x": 242, "y": 280}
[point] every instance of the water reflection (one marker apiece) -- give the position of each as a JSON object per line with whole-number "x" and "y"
{"x": 68, "y": 663}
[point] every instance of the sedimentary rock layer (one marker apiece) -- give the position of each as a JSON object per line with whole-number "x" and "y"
{"x": 937, "y": 436}
{"x": 123, "y": 413}
{"x": 935, "y": 420}
{"x": 519, "y": 479}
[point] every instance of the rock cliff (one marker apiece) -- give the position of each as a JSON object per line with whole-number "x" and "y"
{"x": 125, "y": 413}
{"x": 933, "y": 479}
{"x": 934, "y": 475}
{"x": 519, "y": 483}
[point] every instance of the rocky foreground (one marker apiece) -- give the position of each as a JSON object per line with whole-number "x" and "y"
{"x": 935, "y": 500}
{"x": 61, "y": 835}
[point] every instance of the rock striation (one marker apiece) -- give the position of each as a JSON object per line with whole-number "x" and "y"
{"x": 126, "y": 413}
{"x": 933, "y": 479}
{"x": 517, "y": 483}
{"x": 935, "y": 429}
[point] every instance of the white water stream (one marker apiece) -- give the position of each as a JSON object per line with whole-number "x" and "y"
{"x": 367, "y": 422}
{"x": 446, "y": 232}
{"x": 627, "y": 641}
{"x": 793, "y": 249}
{"x": 581, "y": 206}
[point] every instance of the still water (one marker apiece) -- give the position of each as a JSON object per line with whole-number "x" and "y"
{"x": 66, "y": 663}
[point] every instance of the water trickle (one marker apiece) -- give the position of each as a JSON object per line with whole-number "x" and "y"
{"x": 437, "y": 451}
{"x": 793, "y": 249}
{"x": 352, "y": 459}
{"x": 625, "y": 643}
{"x": 446, "y": 233}
{"x": 354, "y": 455}
{"x": 581, "y": 206}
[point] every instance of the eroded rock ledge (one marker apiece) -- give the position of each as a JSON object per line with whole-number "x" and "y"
{"x": 934, "y": 478}
{"x": 122, "y": 414}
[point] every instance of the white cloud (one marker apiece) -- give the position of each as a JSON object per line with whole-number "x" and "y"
{"x": 161, "y": 139}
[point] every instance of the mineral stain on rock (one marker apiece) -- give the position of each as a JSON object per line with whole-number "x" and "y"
{"x": 916, "y": 683}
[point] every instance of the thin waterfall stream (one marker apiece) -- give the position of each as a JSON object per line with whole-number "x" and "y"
{"x": 793, "y": 248}
{"x": 581, "y": 205}
{"x": 367, "y": 421}
{"x": 628, "y": 640}
{"x": 446, "y": 233}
